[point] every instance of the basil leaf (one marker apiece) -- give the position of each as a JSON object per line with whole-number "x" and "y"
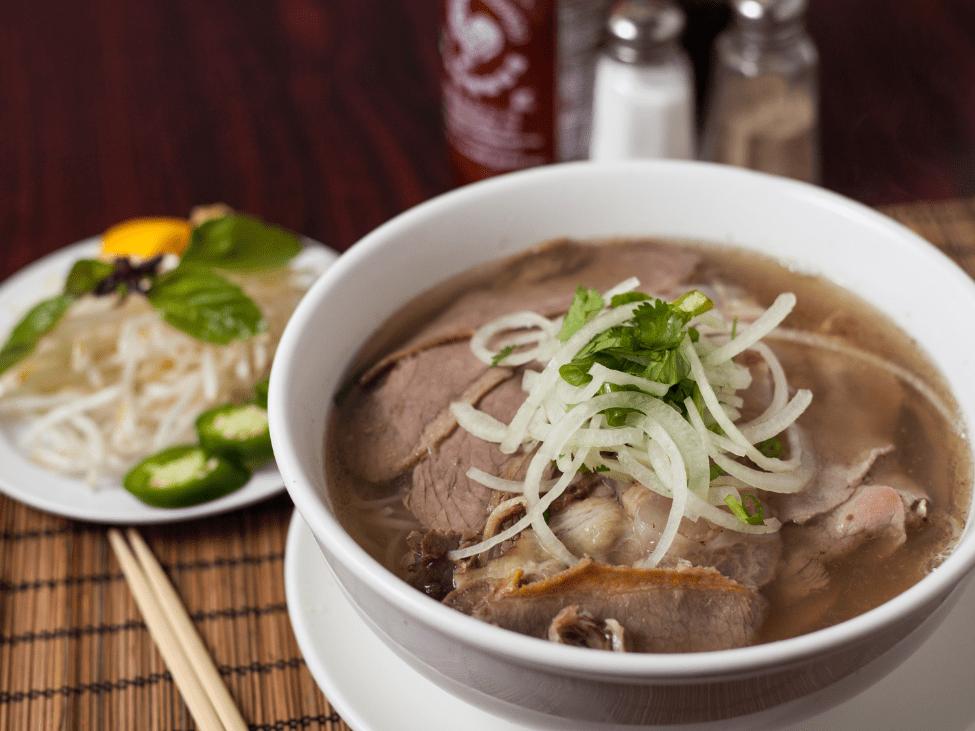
{"x": 39, "y": 321}
{"x": 85, "y": 276}
{"x": 584, "y": 307}
{"x": 240, "y": 242}
{"x": 205, "y": 305}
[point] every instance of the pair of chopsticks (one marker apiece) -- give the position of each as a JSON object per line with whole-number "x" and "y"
{"x": 171, "y": 628}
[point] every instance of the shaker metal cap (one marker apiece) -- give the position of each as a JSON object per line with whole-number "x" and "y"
{"x": 638, "y": 30}
{"x": 769, "y": 12}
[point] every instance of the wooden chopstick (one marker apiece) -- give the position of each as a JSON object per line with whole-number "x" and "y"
{"x": 171, "y": 628}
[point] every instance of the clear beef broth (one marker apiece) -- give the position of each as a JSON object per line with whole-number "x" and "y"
{"x": 854, "y": 405}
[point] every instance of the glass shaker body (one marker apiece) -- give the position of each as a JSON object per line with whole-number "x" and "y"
{"x": 763, "y": 105}
{"x": 643, "y": 110}
{"x": 643, "y": 103}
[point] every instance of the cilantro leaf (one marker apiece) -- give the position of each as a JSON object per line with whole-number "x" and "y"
{"x": 575, "y": 373}
{"x": 658, "y": 326}
{"x": 205, "y": 305}
{"x": 39, "y": 321}
{"x": 240, "y": 242}
{"x": 647, "y": 345}
{"x": 585, "y": 305}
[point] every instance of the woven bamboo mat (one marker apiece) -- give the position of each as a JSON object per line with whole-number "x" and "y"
{"x": 75, "y": 654}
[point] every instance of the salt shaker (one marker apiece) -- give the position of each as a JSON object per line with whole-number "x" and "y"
{"x": 763, "y": 105}
{"x": 644, "y": 89}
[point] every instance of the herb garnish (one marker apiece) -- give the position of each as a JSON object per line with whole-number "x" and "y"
{"x": 241, "y": 243}
{"x": 647, "y": 345}
{"x": 203, "y": 304}
{"x": 741, "y": 512}
{"x": 193, "y": 297}
{"x": 502, "y": 354}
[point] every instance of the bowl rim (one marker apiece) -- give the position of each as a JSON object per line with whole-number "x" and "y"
{"x": 530, "y": 651}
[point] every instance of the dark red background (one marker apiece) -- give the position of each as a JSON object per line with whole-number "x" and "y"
{"x": 323, "y": 115}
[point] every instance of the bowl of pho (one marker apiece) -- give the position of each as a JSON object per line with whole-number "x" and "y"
{"x": 645, "y": 444}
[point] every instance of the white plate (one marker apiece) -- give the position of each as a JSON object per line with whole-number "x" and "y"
{"x": 30, "y": 483}
{"x": 374, "y": 690}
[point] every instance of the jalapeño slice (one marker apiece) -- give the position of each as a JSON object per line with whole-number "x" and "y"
{"x": 184, "y": 475}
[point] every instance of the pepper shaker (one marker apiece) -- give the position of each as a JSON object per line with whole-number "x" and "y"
{"x": 644, "y": 89}
{"x": 763, "y": 104}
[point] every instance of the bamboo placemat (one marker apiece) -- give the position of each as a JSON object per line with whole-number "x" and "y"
{"x": 75, "y": 653}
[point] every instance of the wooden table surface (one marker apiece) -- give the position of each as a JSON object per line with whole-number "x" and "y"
{"x": 324, "y": 116}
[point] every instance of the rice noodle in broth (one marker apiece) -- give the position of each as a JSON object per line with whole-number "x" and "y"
{"x": 791, "y": 461}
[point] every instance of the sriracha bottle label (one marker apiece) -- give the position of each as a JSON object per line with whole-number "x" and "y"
{"x": 499, "y": 87}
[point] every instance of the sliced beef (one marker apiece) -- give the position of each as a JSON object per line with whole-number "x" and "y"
{"x": 442, "y": 496}
{"x": 831, "y": 486}
{"x": 747, "y": 558}
{"x": 385, "y": 423}
{"x": 522, "y": 561}
{"x": 876, "y": 513}
{"x": 847, "y": 449}
{"x": 546, "y": 285}
{"x": 580, "y": 629}
{"x": 445, "y": 422}
{"x": 660, "y": 610}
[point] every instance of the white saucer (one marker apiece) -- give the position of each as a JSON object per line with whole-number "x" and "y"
{"x": 374, "y": 690}
{"x": 38, "y": 487}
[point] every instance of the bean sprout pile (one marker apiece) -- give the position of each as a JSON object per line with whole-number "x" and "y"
{"x": 671, "y": 451}
{"x": 114, "y": 383}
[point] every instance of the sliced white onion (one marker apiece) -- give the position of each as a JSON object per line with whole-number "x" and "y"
{"x": 766, "y": 322}
{"x": 732, "y": 431}
{"x": 478, "y": 423}
{"x": 502, "y": 485}
{"x": 549, "y": 377}
{"x": 514, "y": 321}
{"x": 627, "y": 285}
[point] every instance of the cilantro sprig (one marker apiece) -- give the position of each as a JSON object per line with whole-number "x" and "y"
{"x": 194, "y": 297}
{"x": 647, "y": 345}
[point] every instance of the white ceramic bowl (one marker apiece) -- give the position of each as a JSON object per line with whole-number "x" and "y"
{"x": 544, "y": 685}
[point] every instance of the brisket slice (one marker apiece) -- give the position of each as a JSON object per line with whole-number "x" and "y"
{"x": 660, "y": 610}
{"x": 831, "y": 486}
{"x": 546, "y": 284}
{"x": 442, "y": 496}
{"x": 398, "y": 419}
{"x": 876, "y": 513}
